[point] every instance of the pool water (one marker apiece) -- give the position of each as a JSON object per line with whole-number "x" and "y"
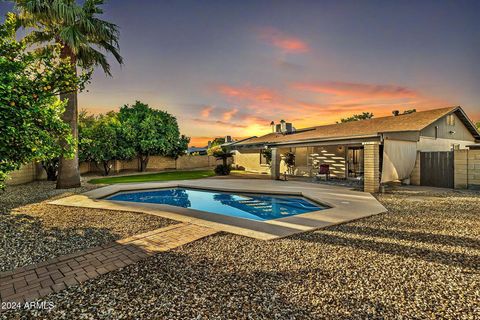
{"x": 260, "y": 207}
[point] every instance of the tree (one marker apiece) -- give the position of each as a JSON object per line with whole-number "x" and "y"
{"x": 357, "y": 117}
{"x": 51, "y": 168}
{"x": 102, "y": 141}
{"x": 151, "y": 132}
{"x": 408, "y": 111}
{"x": 30, "y": 112}
{"x": 478, "y": 125}
{"x": 289, "y": 159}
{"x": 221, "y": 153}
{"x": 83, "y": 38}
{"x": 217, "y": 142}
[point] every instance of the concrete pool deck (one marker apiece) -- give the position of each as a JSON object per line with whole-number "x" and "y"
{"x": 346, "y": 205}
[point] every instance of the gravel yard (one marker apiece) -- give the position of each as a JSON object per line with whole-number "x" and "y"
{"x": 421, "y": 260}
{"x": 33, "y": 231}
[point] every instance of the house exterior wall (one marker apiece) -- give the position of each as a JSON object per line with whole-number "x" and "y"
{"x": 467, "y": 169}
{"x": 443, "y": 131}
{"x": 249, "y": 160}
{"x": 441, "y": 144}
{"x": 307, "y": 160}
{"x": 405, "y": 136}
{"x": 371, "y": 156}
{"x": 415, "y": 176}
{"x": 445, "y": 140}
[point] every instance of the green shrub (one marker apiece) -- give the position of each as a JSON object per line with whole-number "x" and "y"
{"x": 222, "y": 170}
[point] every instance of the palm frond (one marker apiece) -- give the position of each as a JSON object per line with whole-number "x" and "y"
{"x": 88, "y": 57}
{"x": 72, "y": 37}
{"x": 110, "y": 48}
{"x": 73, "y": 25}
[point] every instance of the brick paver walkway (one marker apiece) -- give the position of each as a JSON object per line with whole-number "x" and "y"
{"x": 38, "y": 280}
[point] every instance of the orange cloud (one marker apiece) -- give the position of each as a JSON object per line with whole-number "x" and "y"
{"x": 335, "y": 100}
{"x": 221, "y": 123}
{"x": 247, "y": 93}
{"x": 358, "y": 90}
{"x": 229, "y": 114}
{"x": 287, "y": 43}
{"x": 205, "y": 112}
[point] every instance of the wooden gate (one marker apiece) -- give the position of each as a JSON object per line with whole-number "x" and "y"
{"x": 437, "y": 169}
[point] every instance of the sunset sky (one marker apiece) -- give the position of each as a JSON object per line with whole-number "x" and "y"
{"x": 231, "y": 67}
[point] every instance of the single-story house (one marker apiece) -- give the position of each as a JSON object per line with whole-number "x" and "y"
{"x": 195, "y": 150}
{"x": 376, "y": 150}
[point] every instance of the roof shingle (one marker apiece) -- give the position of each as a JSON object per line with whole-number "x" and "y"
{"x": 407, "y": 122}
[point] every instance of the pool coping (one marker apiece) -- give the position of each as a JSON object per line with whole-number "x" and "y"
{"x": 345, "y": 205}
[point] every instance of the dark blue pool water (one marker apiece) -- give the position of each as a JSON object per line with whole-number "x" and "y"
{"x": 247, "y": 206}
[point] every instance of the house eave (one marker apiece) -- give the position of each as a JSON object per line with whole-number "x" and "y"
{"x": 309, "y": 142}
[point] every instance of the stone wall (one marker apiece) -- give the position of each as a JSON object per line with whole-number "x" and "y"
{"x": 467, "y": 169}
{"x": 158, "y": 163}
{"x": 34, "y": 171}
{"x": 26, "y": 173}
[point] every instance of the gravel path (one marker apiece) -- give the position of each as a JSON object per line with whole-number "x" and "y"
{"x": 421, "y": 260}
{"x": 33, "y": 232}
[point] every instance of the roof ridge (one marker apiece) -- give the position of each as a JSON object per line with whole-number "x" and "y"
{"x": 391, "y": 116}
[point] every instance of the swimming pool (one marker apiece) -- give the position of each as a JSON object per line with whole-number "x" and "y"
{"x": 260, "y": 207}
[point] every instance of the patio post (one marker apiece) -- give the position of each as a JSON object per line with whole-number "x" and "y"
{"x": 275, "y": 164}
{"x": 371, "y": 162}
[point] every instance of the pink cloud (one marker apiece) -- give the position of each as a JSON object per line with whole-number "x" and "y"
{"x": 205, "y": 112}
{"x": 260, "y": 105}
{"x": 287, "y": 43}
{"x": 358, "y": 89}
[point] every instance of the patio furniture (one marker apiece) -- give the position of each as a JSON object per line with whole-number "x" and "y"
{"x": 324, "y": 169}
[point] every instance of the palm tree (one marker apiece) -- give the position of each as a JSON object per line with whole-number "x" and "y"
{"x": 84, "y": 39}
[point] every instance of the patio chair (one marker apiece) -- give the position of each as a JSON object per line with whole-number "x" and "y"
{"x": 324, "y": 169}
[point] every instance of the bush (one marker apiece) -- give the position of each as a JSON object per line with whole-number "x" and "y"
{"x": 222, "y": 170}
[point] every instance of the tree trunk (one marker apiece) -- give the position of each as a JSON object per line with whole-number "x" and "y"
{"x": 143, "y": 163}
{"x": 68, "y": 170}
{"x": 50, "y": 168}
{"x": 106, "y": 167}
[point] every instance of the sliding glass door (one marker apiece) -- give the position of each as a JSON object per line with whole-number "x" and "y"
{"x": 355, "y": 162}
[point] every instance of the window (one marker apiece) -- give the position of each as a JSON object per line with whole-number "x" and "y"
{"x": 436, "y": 132}
{"x": 451, "y": 120}
{"x": 265, "y": 156}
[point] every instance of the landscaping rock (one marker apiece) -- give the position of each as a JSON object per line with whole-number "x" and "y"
{"x": 37, "y": 232}
{"x": 421, "y": 260}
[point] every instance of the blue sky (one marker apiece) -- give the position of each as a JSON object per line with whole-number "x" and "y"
{"x": 230, "y": 67}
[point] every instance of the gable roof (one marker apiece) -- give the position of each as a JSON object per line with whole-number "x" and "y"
{"x": 415, "y": 121}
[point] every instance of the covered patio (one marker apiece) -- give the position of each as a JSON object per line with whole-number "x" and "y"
{"x": 355, "y": 158}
